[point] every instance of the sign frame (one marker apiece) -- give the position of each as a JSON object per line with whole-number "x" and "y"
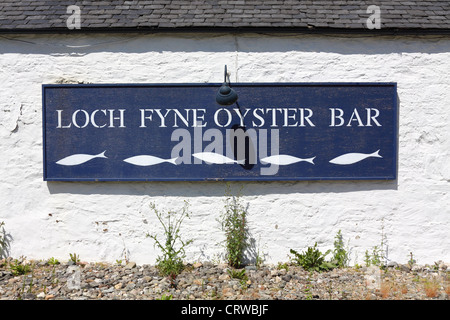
{"x": 238, "y": 87}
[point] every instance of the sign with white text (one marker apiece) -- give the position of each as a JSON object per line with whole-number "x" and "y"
{"x": 165, "y": 132}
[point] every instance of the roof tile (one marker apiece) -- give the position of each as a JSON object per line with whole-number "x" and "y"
{"x": 33, "y": 15}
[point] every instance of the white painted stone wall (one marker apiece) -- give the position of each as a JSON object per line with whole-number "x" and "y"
{"x": 109, "y": 221}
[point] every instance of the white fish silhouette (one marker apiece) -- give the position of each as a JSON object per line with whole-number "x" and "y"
{"x": 350, "y": 158}
{"x": 216, "y": 158}
{"x": 77, "y": 159}
{"x": 284, "y": 159}
{"x": 145, "y": 160}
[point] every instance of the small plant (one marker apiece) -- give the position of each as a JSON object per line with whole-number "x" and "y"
{"x": 259, "y": 258}
{"x": 166, "y": 297}
{"x": 19, "y": 267}
{"x": 4, "y": 241}
{"x": 330, "y": 289}
{"x": 375, "y": 258}
{"x": 74, "y": 258}
{"x": 2, "y": 237}
{"x": 357, "y": 266}
{"x": 26, "y": 281}
{"x": 312, "y": 259}
{"x": 52, "y": 261}
{"x": 283, "y": 266}
{"x": 234, "y": 223}
{"x": 308, "y": 288}
{"x": 213, "y": 294}
{"x": 340, "y": 255}
{"x": 240, "y": 275}
{"x": 411, "y": 260}
{"x": 237, "y": 274}
{"x": 173, "y": 248}
{"x": 378, "y": 256}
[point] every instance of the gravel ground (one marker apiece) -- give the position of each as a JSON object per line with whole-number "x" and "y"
{"x": 208, "y": 281}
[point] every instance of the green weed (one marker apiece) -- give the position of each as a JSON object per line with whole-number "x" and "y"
{"x": 18, "y": 267}
{"x": 234, "y": 223}
{"x": 340, "y": 254}
{"x": 52, "y": 261}
{"x": 312, "y": 259}
{"x": 170, "y": 263}
{"x": 74, "y": 258}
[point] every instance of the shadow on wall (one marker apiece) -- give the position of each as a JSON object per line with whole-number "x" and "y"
{"x": 79, "y": 45}
{"x": 216, "y": 189}
{"x": 5, "y": 241}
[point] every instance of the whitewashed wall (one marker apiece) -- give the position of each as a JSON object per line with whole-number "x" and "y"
{"x": 109, "y": 221}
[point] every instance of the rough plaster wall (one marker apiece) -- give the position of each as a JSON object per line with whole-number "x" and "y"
{"x": 109, "y": 221}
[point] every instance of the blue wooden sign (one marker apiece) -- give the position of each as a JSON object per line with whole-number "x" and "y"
{"x": 165, "y": 132}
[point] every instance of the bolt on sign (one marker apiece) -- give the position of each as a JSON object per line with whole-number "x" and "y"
{"x": 165, "y": 132}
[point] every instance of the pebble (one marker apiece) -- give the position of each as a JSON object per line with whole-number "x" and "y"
{"x": 207, "y": 281}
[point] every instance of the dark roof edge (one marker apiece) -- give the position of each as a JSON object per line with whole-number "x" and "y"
{"x": 273, "y": 30}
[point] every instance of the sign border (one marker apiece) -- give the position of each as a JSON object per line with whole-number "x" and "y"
{"x": 235, "y": 85}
